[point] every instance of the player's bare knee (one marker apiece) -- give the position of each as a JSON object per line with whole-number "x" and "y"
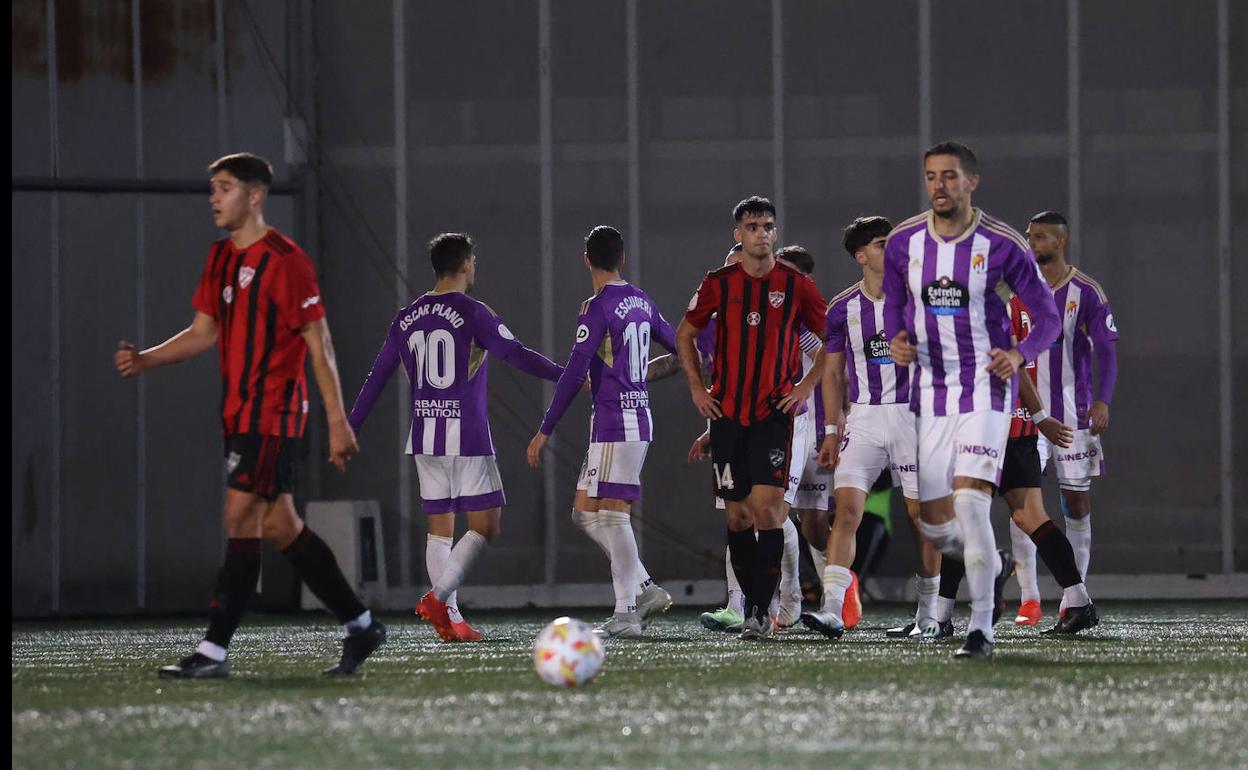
{"x": 847, "y": 519}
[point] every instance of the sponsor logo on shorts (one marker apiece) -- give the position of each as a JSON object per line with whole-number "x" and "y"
{"x": 777, "y": 457}
{"x": 1074, "y": 457}
{"x": 945, "y": 296}
{"x": 232, "y": 462}
{"x": 776, "y": 298}
{"x": 977, "y": 449}
{"x": 753, "y": 319}
{"x": 909, "y": 468}
{"x": 813, "y": 488}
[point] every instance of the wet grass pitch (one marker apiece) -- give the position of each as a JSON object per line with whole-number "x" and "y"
{"x": 1155, "y": 685}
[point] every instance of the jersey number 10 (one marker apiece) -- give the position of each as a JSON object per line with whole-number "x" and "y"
{"x": 637, "y": 338}
{"x": 434, "y": 355}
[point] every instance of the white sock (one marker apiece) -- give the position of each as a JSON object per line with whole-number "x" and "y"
{"x": 1075, "y": 596}
{"x": 971, "y": 508}
{"x": 211, "y": 651}
{"x": 790, "y": 581}
{"x": 944, "y": 608}
{"x": 463, "y": 555}
{"x": 820, "y": 558}
{"x": 836, "y": 580}
{"x": 736, "y": 597}
{"x": 437, "y": 554}
{"x": 356, "y": 625}
{"x": 617, "y": 531}
{"x": 1079, "y": 533}
{"x": 589, "y": 523}
{"x": 929, "y": 590}
{"x": 1024, "y": 563}
{"x": 945, "y": 537}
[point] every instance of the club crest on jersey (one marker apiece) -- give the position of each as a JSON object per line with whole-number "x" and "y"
{"x": 753, "y": 319}
{"x": 776, "y": 298}
{"x": 979, "y": 263}
{"x": 878, "y": 350}
{"x": 945, "y": 296}
{"x": 1071, "y": 307}
{"x": 245, "y": 274}
{"x": 776, "y": 457}
{"x": 227, "y": 294}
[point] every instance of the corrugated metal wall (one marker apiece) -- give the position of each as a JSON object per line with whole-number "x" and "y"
{"x": 526, "y": 123}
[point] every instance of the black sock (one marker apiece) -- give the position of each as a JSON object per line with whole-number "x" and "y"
{"x": 767, "y": 558}
{"x": 951, "y": 573}
{"x": 741, "y": 548}
{"x": 318, "y": 569}
{"x": 1056, "y": 552}
{"x": 236, "y": 582}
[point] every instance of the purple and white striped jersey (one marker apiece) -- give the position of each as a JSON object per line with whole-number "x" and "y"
{"x": 1064, "y": 369}
{"x": 855, "y": 327}
{"x": 613, "y": 336}
{"x": 442, "y": 340}
{"x": 947, "y": 295}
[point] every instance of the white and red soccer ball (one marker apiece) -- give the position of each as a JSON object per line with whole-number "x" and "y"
{"x": 567, "y": 653}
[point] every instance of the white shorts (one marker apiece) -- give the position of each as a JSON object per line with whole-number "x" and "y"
{"x": 814, "y": 493}
{"x": 613, "y": 469}
{"x": 799, "y": 450}
{"x": 1078, "y": 464}
{"x": 456, "y": 483}
{"x": 879, "y": 436}
{"x": 970, "y": 445}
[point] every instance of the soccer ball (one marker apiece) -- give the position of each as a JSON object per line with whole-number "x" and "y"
{"x": 567, "y": 653}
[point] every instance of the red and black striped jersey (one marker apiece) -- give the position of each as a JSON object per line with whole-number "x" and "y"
{"x": 1020, "y": 325}
{"x": 261, "y": 298}
{"x": 758, "y": 358}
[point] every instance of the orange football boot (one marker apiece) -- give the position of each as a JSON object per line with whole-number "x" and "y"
{"x": 851, "y": 610}
{"x": 465, "y": 632}
{"x": 435, "y": 612}
{"x": 1029, "y": 613}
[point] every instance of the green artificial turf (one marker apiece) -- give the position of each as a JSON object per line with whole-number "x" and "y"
{"x": 1155, "y": 685}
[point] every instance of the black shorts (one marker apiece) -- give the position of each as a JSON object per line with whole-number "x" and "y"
{"x": 1022, "y": 464}
{"x": 744, "y": 456}
{"x": 260, "y": 465}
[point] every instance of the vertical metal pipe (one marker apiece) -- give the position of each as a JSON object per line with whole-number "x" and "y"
{"x": 54, "y": 365}
{"x": 634, "y": 193}
{"x": 140, "y": 294}
{"x": 406, "y": 567}
{"x": 1074, "y": 155}
{"x": 925, "y": 87}
{"x": 223, "y": 124}
{"x": 1225, "y": 347}
{"x": 777, "y": 104}
{"x": 548, "y": 265}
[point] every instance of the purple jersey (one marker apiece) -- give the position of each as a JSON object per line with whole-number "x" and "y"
{"x": 946, "y": 294}
{"x": 613, "y": 346}
{"x": 1064, "y": 370}
{"x": 855, "y": 327}
{"x": 442, "y": 340}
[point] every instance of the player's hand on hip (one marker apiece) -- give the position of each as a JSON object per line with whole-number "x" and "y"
{"x": 902, "y": 351}
{"x": 534, "y": 452}
{"x": 1005, "y": 363}
{"x": 830, "y": 451}
{"x": 128, "y": 359}
{"x": 701, "y": 448}
{"x": 342, "y": 444}
{"x": 1098, "y": 417}
{"x": 706, "y": 406}
{"x": 794, "y": 399}
{"x": 1058, "y": 433}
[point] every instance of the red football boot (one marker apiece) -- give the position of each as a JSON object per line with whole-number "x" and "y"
{"x": 851, "y": 610}
{"x": 435, "y": 612}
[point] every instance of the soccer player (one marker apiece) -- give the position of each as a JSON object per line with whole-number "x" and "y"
{"x": 443, "y": 340}
{"x": 879, "y": 433}
{"x": 1020, "y": 488}
{"x": 1064, "y": 375}
{"x": 259, "y": 302}
{"x": 943, "y": 312}
{"x": 612, "y": 347}
{"x": 760, "y": 306}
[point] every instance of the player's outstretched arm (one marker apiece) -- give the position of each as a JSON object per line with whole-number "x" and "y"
{"x": 383, "y": 367}
{"x": 687, "y": 349}
{"x": 342, "y": 443}
{"x": 188, "y": 343}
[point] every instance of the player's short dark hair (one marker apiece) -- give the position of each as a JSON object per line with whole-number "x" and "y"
{"x": 970, "y": 164}
{"x": 605, "y": 247}
{"x": 1049, "y": 218}
{"x": 246, "y": 167}
{"x": 448, "y": 252}
{"x": 800, "y": 258}
{"x": 755, "y": 205}
{"x": 863, "y": 230}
